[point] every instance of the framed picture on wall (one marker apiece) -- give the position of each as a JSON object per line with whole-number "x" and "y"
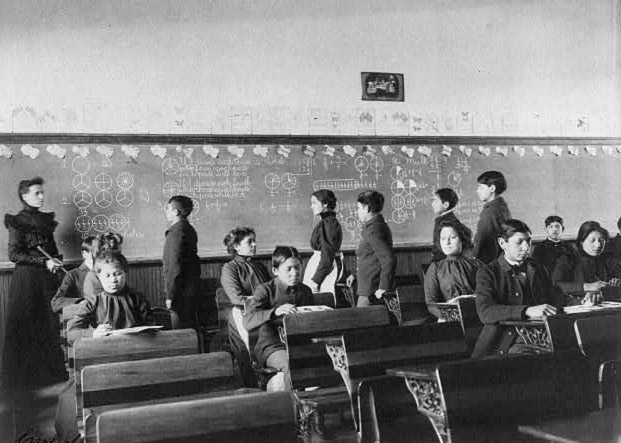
{"x": 382, "y": 86}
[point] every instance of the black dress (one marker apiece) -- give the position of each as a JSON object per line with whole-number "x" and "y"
{"x": 30, "y": 355}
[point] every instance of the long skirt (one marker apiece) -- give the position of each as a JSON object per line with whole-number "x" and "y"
{"x": 31, "y": 355}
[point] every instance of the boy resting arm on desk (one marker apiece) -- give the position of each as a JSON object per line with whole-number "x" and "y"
{"x": 512, "y": 287}
{"x": 274, "y": 299}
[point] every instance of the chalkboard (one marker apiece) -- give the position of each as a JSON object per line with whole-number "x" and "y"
{"x": 96, "y": 188}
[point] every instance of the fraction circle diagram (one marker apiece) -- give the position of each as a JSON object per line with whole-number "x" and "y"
{"x": 351, "y": 223}
{"x": 397, "y": 187}
{"x": 376, "y": 164}
{"x": 397, "y": 173}
{"x": 80, "y": 165}
{"x": 361, "y": 164}
{"x": 82, "y": 199}
{"x": 103, "y": 199}
{"x": 101, "y": 223}
{"x": 83, "y": 223}
{"x": 272, "y": 181}
{"x": 125, "y": 181}
{"x": 410, "y": 201}
{"x": 399, "y": 216}
{"x": 103, "y": 181}
{"x": 124, "y": 198}
{"x": 288, "y": 181}
{"x": 170, "y": 166}
{"x": 410, "y": 186}
{"x": 397, "y": 201}
{"x": 118, "y": 222}
{"x": 81, "y": 182}
{"x": 171, "y": 188}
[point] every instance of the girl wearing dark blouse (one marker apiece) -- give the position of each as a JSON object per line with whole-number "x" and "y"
{"x": 456, "y": 273}
{"x": 325, "y": 267}
{"x": 240, "y": 277}
{"x": 587, "y": 271}
{"x": 30, "y": 356}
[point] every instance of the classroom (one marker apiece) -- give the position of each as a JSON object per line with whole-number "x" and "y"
{"x": 252, "y": 109}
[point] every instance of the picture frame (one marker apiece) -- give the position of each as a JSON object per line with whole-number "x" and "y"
{"x": 382, "y": 86}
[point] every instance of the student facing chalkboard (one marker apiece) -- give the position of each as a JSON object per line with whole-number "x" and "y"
{"x": 494, "y": 213}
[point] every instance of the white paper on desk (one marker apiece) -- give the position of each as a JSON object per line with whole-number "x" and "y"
{"x": 134, "y": 330}
{"x": 313, "y": 308}
{"x": 578, "y": 309}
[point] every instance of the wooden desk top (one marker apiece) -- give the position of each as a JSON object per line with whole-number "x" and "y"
{"x": 597, "y": 427}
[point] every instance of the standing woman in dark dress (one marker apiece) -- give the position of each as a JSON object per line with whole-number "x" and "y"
{"x": 325, "y": 267}
{"x": 29, "y": 357}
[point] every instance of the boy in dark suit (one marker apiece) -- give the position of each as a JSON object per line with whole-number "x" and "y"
{"x": 548, "y": 252}
{"x": 181, "y": 268}
{"x": 613, "y": 246}
{"x": 511, "y": 287}
{"x": 495, "y": 211}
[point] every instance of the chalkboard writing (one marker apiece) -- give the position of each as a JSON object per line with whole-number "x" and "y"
{"x": 99, "y": 188}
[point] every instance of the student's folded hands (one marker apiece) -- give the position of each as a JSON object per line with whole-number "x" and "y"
{"x": 285, "y": 309}
{"x": 537, "y": 312}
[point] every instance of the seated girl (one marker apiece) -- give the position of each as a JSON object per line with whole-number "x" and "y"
{"x": 107, "y": 241}
{"x": 586, "y": 271}
{"x": 115, "y": 306}
{"x": 277, "y": 298}
{"x": 456, "y": 273}
{"x": 240, "y": 277}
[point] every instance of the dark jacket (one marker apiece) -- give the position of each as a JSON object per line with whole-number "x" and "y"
{"x": 241, "y": 276}
{"x": 436, "y": 250}
{"x": 28, "y": 229}
{"x": 498, "y": 300}
{"x": 326, "y": 237}
{"x": 261, "y": 311}
{"x": 573, "y": 271}
{"x": 376, "y": 259}
{"x": 548, "y": 253}
{"x": 493, "y": 214}
{"x": 71, "y": 289}
{"x": 613, "y": 248}
{"x": 181, "y": 268}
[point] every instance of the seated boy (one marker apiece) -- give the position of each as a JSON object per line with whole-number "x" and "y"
{"x": 548, "y": 252}
{"x": 274, "y": 299}
{"x": 495, "y": 211}
{"x": 443, "y": 204}
{"x": 512, "y": 287}
{"x": 70, "y": 290}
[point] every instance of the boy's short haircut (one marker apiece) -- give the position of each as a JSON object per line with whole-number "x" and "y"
{"x": 373, "y": 199}
{"x": 619, "y": 224}
{"x": 182, "y": 204}
{"x": 494, "y": 178}
{"x": 282, "y": 253}
{"x": 109, "y": 258}
{"x": 449, "y": 196}
{"x": 87, "y": 244}
{"x": 554, "y": 219}
{"x": 511, "y": 227}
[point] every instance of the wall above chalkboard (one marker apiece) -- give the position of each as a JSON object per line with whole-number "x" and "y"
{"x": 97, "y": 183}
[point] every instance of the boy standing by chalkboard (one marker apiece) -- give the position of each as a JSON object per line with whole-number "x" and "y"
{"x": 494, "y": 213}
{"x": 181, "y": 269}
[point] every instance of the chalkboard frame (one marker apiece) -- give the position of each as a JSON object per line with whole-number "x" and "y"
{"x": 200, "y": 139}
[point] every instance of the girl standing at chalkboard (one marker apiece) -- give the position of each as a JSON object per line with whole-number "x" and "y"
{"x": 30, "y": 356}
{"x": 325, "y": 267}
